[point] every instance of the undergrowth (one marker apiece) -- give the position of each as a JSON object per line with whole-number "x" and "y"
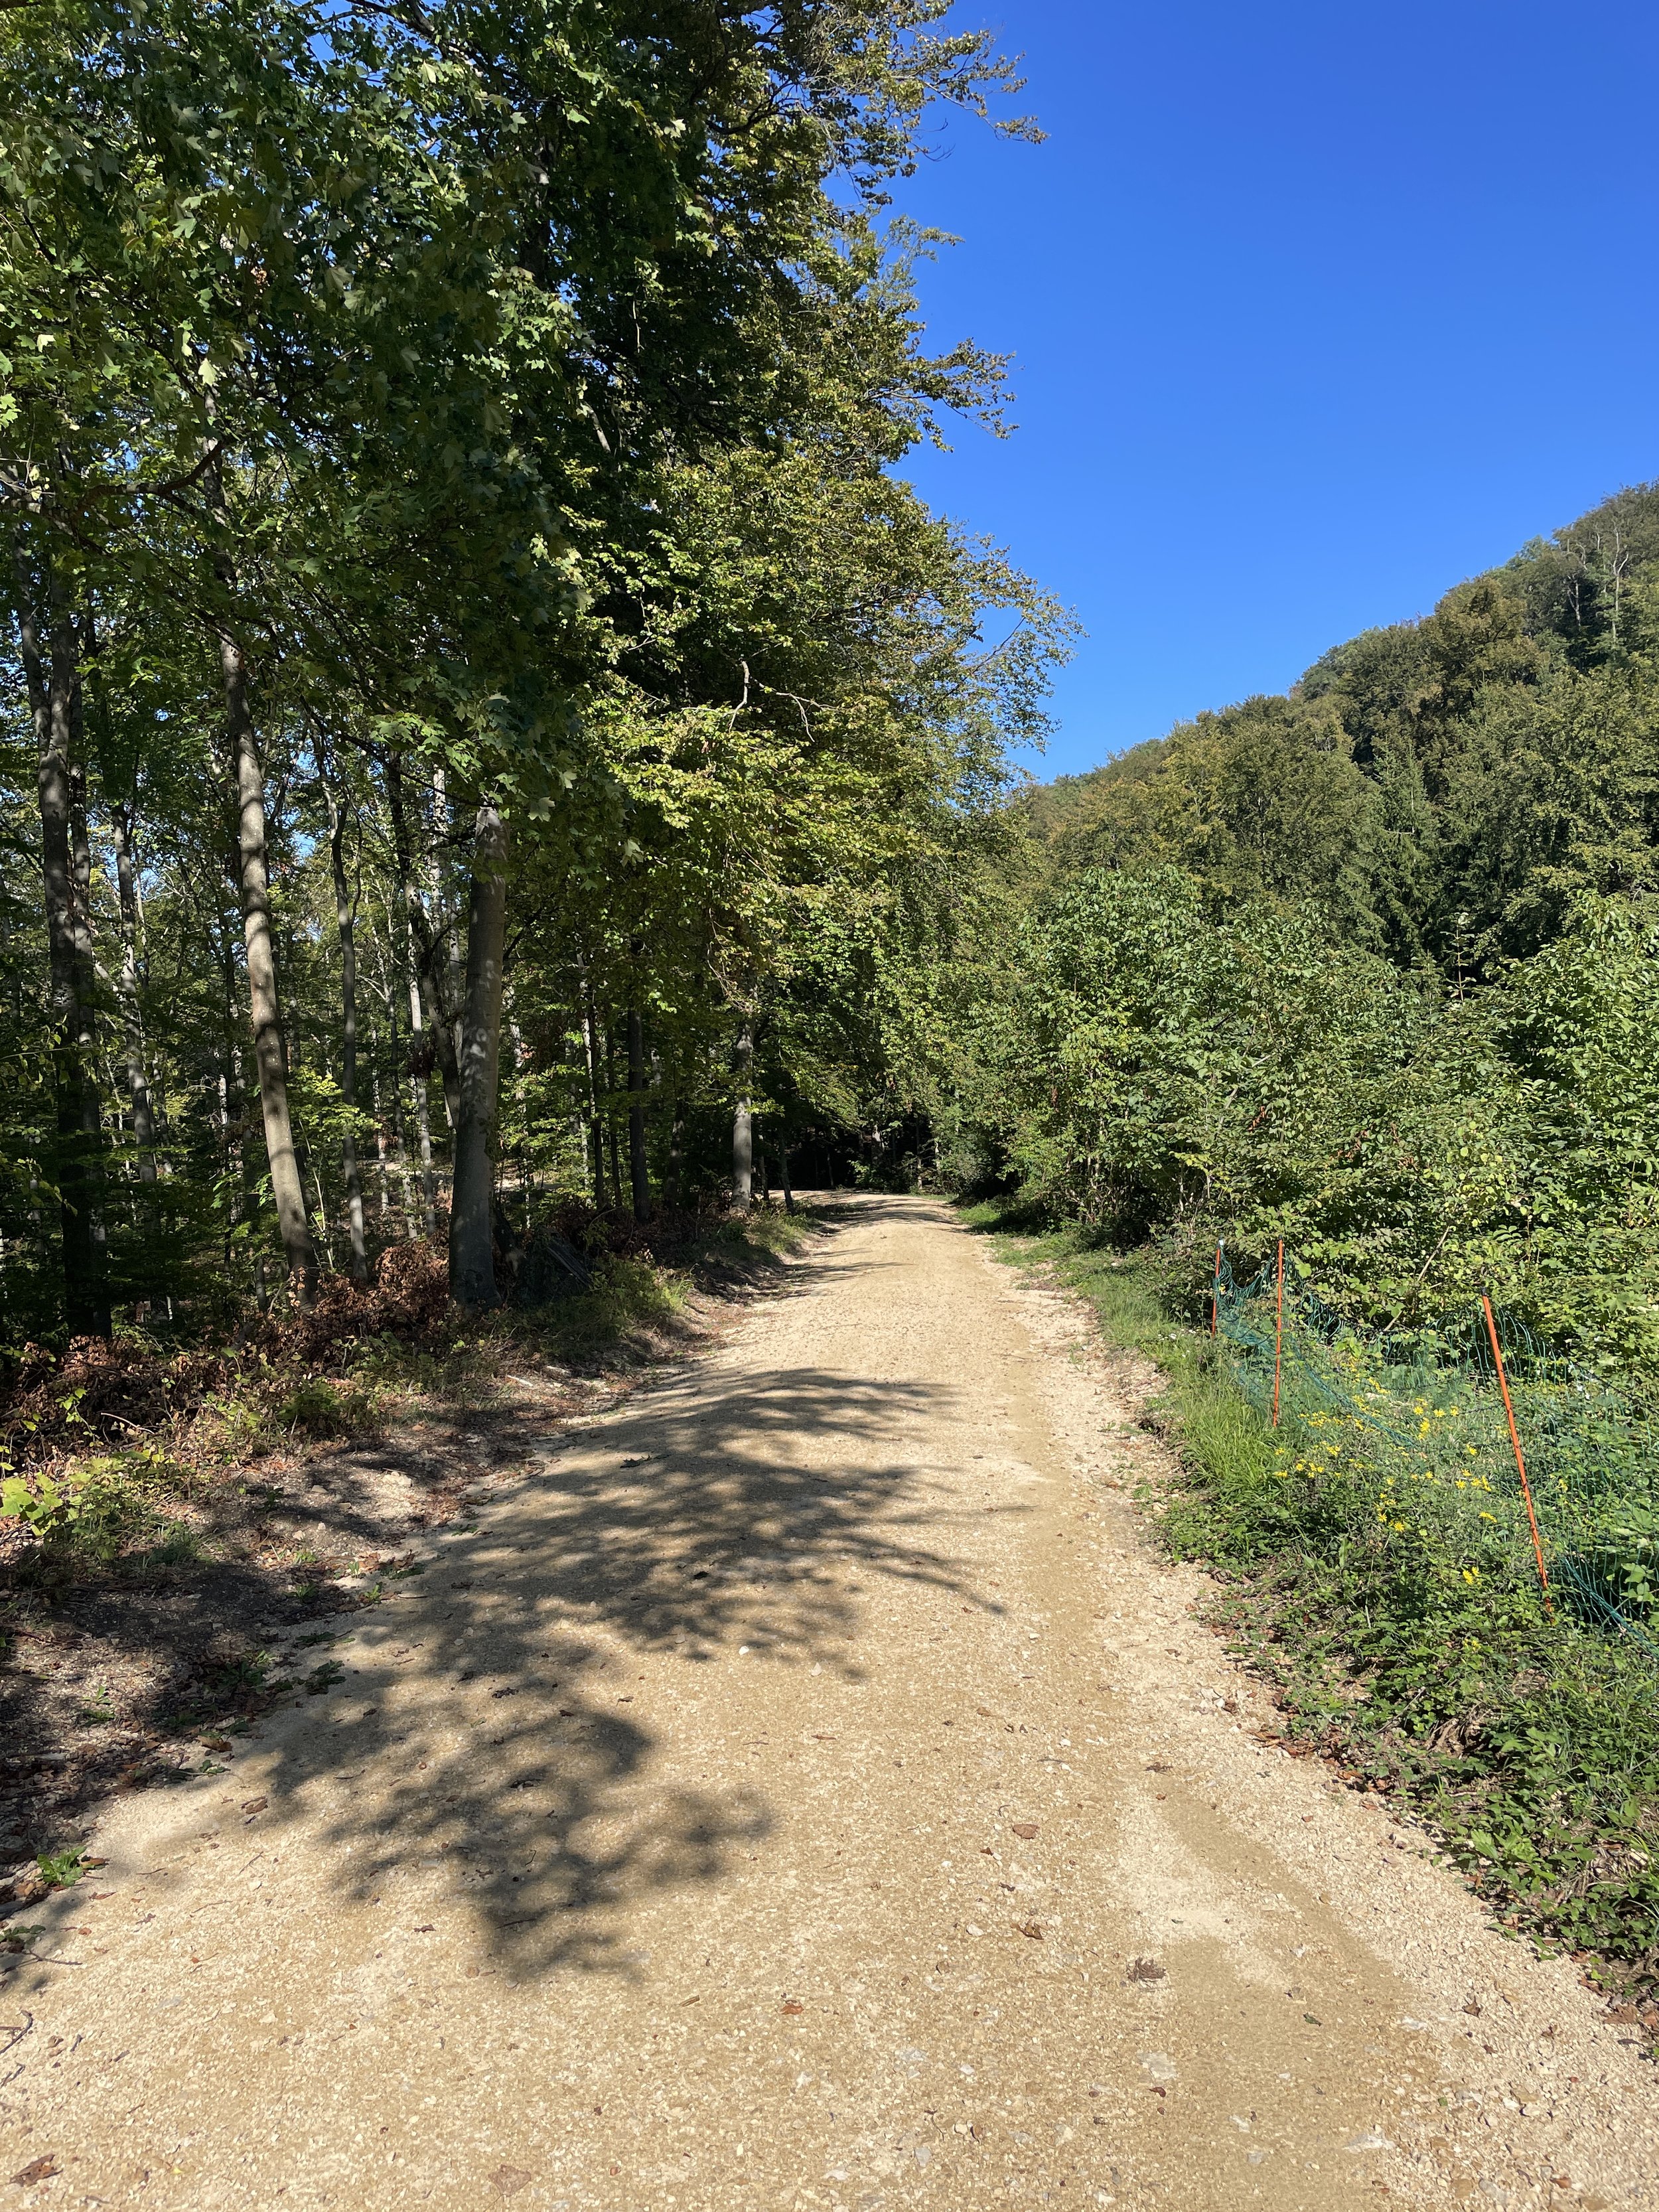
{"x": 1530, "y": 1742}
{"x": 103, "y": 1461}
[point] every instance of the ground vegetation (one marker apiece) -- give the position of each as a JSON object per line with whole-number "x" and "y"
{"x": 1364, "y": 976}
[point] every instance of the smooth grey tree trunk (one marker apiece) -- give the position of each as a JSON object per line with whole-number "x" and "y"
{"x": 143, "y": 1126}
{"x": 345, "y": 919}
{"x": 422, "y": 1103}
{"x": 430, "y": 965}
{"x": 675, "y": 1156}
{"x": 742, "y": 1133}
{"x": 447, "y": 985}
{"x": 593, "y": 1098}
{"x": 637, "y": 1160}
{"x": 79, "y": 1162}
{"x": 611, "y": 1111}
{"x": 287, "y": 1189}
{"x": 472, "y": 1213}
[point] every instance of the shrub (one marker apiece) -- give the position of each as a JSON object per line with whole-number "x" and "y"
{"x": 321, "y": 1407}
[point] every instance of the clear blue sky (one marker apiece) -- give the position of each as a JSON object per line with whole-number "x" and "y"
{"x": 1317, "y": 306}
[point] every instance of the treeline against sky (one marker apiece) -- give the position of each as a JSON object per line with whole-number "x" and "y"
{"x": 1373, "y": 966}
{"x": 480, "y": 719}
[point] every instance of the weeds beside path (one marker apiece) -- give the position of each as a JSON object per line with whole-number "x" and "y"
{"x": 1533, "y": 1752}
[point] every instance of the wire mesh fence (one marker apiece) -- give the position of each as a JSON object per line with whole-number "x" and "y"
{"x": 1477, "y": 1438}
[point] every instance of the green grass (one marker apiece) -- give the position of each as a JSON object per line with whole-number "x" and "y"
{"x": 1530, "y": 1742}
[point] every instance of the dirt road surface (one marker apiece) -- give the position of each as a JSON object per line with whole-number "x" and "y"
{"x": 804, "y": 1787}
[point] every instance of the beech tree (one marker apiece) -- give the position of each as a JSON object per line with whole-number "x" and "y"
{"x": 462, "y": 458}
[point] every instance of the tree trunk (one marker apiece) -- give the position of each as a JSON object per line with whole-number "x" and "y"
{"x": 345, "y": 918}
{"x": 447, "y": 985}
{"x": 674, "y": 1191}
{"x": 143, "y": 1127}
{"x": 593, "y": 1098}
{"x": 287, "y": 1190}
{"x": 86, "y": 952}
{"x": 399, "y": 1128}
{"x": 783, "y": 1168}
{"x": 471, "y": 1252}
{"x": 422, "y": 1105}
{"x": 235, "y": 1122}
{"x": 419, "y": 934}
{"x": 743, "y": 1135}
{"x": 429, "y": 962}
{"x": 637, "y": 1169}
{"x": 79, "y": 1162}
{"x": 611, "y": 1112}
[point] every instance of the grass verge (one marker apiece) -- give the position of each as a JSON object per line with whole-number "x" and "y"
{"x": 1529, "y": 1743}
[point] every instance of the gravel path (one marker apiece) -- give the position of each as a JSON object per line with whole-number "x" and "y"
{"x": 803, "y": 1787}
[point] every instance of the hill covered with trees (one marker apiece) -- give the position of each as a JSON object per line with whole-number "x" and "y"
{"x": 1372, "y": 966}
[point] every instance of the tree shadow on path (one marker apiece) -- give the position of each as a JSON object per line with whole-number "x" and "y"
{"x": 487, "y": 1724}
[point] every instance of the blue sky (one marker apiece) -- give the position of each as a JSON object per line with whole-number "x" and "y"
{"x": 1316, "y": 309}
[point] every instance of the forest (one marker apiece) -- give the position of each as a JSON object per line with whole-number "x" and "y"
{"x": 1371, "y": 967}
{"x": 1327, "y": 1026}
{"x": 500, "y": 771}
{"x": 488, "y": 729}
{"x": 484, "y": 728}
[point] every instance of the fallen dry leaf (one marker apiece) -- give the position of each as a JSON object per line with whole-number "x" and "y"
{"x": 794, "y": 2007}
{"x": 1029, "y": 1928}
{"x": 1026, "y": 1828}
{"x": 508, "y": 2179}
{"x": 39, "y": 2169}
{"x": 1147, "y": 1970}
{"x": 255, "y": 1804}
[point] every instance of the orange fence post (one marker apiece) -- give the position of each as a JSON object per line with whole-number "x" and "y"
{"x": 1526, "y": 1487}
{"x": 1278, "y": 1330}
{"x": 1215, "y": 1293}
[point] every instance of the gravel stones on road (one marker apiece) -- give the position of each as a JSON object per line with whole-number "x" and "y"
{"x": 869, "y": 1822}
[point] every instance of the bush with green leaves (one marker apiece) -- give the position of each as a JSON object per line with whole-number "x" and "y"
{"x": 319, "y": 1407}
{"x": 103, "y": 1512}
{"x": 1152, "y": 1065}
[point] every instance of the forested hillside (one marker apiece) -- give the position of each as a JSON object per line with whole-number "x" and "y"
{"x": 482, "y": 721}
{"x": 1372, "y": 967}
{"x": 1321, "y": 1024}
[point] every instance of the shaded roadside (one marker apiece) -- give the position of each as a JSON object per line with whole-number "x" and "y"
{"x": 146, "y": 1650}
